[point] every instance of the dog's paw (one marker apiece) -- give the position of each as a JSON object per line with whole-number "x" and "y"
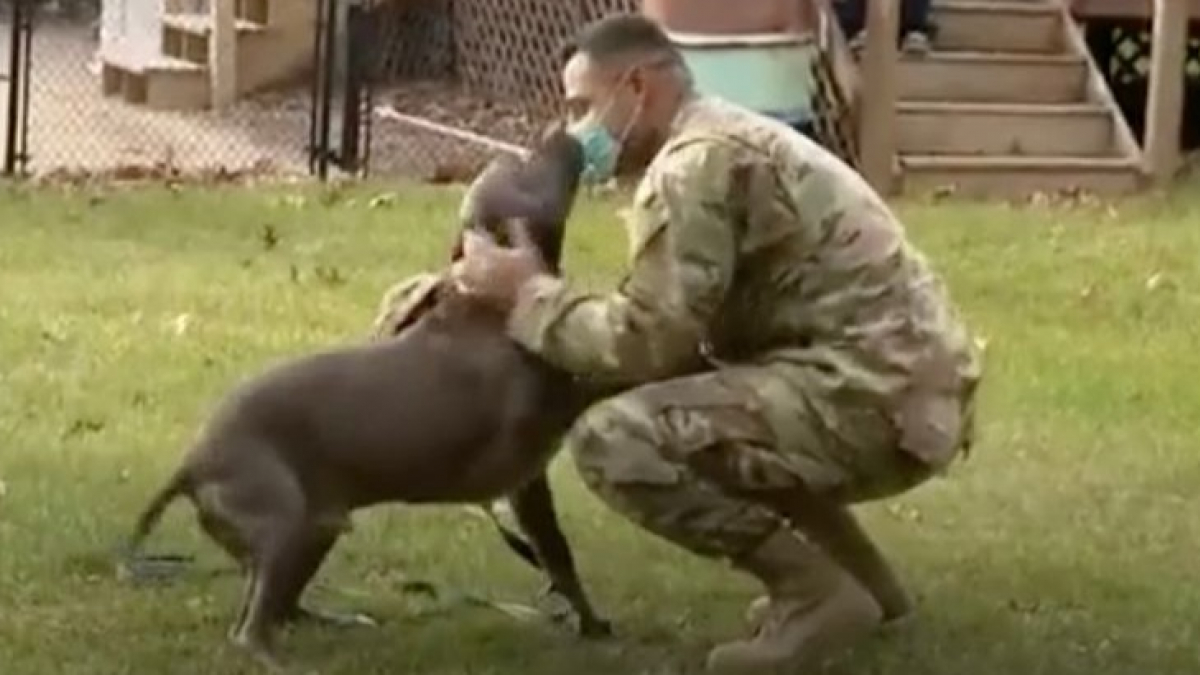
{"x": 595, "y": 628}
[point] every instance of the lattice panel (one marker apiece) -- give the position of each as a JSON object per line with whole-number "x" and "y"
{"x": 1131, "y": 48}
{"x": 594, "y": 9}
{"x": 833, "y": 118}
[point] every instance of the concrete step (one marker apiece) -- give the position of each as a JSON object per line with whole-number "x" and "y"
{"x": 255, "y": 11}
{"x": 201, "y": 24}
{"x": 997, "y": 129}
{"x": 1014, "y": 176}
{"x": 1011, "y": 26}
{"x": 152, "y": 80}
{"x": 983, "y": 77}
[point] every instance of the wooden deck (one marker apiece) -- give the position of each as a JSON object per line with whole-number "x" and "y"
{"x": 1124, "y": 9}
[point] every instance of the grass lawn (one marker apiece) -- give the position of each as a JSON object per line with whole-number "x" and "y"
{"x": 1067, "y": 545}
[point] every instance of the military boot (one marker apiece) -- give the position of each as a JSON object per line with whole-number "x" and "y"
{"x": 836, "y": 530}
{"x": 815, "y": 609}
{"x": 855, "y": 553}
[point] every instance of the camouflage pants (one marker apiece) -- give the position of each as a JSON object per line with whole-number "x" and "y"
{"x": 705, "y": 461}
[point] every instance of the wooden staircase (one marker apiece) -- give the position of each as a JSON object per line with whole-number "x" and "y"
{"x": 273, "y": 44}
{"x": 1010, "y": 102}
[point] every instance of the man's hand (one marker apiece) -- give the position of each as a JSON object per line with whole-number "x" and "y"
{"x": 494, "y": 274}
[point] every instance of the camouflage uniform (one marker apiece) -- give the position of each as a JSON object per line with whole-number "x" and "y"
{"x": 780, "y": 344}
{"x": 841, "y": 366}
{"x": 783, "y": 352}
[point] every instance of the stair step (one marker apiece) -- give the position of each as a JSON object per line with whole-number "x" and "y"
{"x": 998, "y": 26}
{"x": 1020, "y": 175}
{"x": 138, "y": 63}
{"x": 999, "y": 129}
{"x": 979, "y": 77}
{"x": 202, "y": 24}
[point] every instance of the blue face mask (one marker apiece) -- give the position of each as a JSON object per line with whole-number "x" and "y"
{"x": 600, "y": 149}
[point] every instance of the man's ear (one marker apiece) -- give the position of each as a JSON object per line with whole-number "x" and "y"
{"x": 639, "y": 79}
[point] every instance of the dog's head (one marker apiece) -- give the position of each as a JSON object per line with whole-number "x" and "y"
{"x": 538, "y": 192}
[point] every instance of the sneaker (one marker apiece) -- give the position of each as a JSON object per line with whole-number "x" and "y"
{"x": 858, "y": 42}
{"x": 916, "y": 43}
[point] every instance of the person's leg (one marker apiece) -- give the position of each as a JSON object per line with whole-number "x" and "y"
{"x": 851, "y": 16}
{"x": 835, "y": 529}
{"x": 697, "y": 461}
{"x": 915, "y": 26}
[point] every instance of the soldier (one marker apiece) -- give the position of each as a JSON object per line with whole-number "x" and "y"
{"x": 783, "y": 351}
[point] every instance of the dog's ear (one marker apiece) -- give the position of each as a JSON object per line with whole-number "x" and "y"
{"x": 551, "y": 129}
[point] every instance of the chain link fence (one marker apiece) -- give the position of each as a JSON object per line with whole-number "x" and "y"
{"x": 76, "y": 127}
{"x": 491, "y": 68}
{"x": 488, "y": 67}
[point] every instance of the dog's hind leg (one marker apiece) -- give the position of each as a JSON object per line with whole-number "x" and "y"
{"x": 533, "y": 506}
{"x": 257, "y": 514}
{"x": 226, "y": 536}
{"x": 309, "y": 552}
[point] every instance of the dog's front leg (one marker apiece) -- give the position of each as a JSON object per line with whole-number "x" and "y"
{"x": 533, "y": 506}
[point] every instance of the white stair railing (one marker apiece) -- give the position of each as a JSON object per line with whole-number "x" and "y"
{"x": 222, "y": 53}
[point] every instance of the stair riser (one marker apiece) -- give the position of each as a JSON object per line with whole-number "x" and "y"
{"x": 161, "y": 90}
{"x": 185, "y": 46}
{"x": 987, "y": 31}
{"x": 258, "y": 11}
{"x": 177, "y": 91}
{"x": 969, "y": 133}
{"x": 1006, "y": 183}
{"x": 984, "y": 82}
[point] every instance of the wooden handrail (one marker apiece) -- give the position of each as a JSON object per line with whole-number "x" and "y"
{"x": 877, "y": 122}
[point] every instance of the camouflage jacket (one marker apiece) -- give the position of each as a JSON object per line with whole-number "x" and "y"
{"x": 749, "y": 243}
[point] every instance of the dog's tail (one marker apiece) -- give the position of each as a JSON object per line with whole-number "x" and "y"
{"x": 178, "y": 485}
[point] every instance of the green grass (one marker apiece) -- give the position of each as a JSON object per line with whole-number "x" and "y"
{"x": 1067, "y": 545}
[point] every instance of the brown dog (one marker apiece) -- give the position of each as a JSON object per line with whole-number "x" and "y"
{"x": 448, "y": 411}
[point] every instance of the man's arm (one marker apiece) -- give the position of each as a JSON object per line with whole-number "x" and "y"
{"x": 683, "y": 257}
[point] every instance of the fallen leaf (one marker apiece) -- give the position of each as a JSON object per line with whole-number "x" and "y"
{"x": 382, "y": 200}
{"x": 330, "y": 276}
{"x": 296, "y": 201}
{"x": 181, "y": 323}
{"x": 83, "y": 426}
{"x": 269, "y": 237}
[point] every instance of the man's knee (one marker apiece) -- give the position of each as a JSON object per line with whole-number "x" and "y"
{"x": 618, "y": 442}
{"x": 629, "y": 456}
{"x": 704, "y": 426}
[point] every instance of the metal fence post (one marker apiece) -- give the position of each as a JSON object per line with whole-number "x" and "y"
{"x": 322, "y": 88}
{"x": 16, "y": 137}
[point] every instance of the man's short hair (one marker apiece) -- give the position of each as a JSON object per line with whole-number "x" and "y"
{"x": 618, "y": 36}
